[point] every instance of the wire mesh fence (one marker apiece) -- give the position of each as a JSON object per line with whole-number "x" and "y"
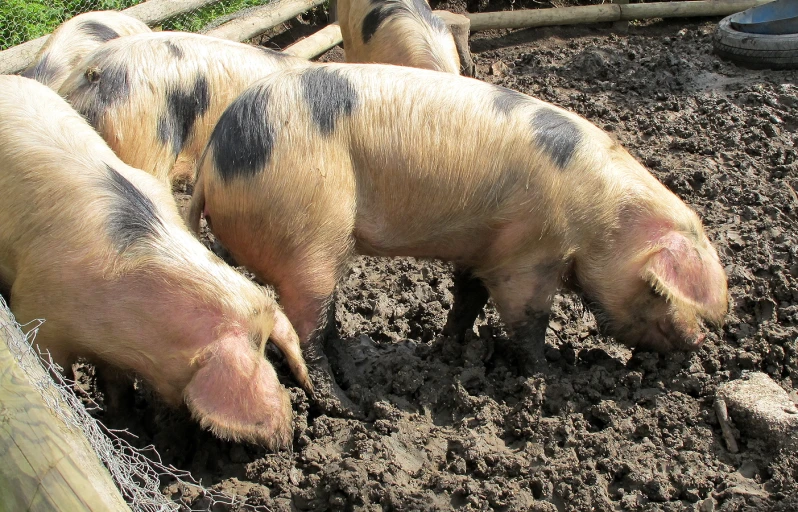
{"x": 25, "y": 20}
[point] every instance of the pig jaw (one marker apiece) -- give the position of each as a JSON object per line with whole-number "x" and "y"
{"x": 650, "y": 322}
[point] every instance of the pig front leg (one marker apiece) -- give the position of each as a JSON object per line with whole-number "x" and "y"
{"x": 523, "y": 295}
{"x": 312, "y": 313}
{"x": 470, "y": 297}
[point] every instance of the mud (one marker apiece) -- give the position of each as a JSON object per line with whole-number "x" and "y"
{"x": 460, "y": 426}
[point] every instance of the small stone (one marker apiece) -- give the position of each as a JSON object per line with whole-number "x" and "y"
{"x": 707, "y": 505}
{"x": 761, "y": 409}
{"x": 499, "y": 69}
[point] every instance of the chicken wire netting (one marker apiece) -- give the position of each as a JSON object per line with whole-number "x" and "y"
{"x": 25, "y": 20}
{"x": 137, "y": 473}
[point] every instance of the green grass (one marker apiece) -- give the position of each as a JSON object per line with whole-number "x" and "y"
{"x": 22, "y": 20}
{"x": 196, "y": 20}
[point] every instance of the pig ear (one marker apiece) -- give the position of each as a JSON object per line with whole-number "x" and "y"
{"x": 285, "y": 338}
{"x": 684, "y": 272}
{"x": 235, "y": 393}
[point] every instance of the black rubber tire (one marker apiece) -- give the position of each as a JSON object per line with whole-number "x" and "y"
{"x": 758, "y": 51}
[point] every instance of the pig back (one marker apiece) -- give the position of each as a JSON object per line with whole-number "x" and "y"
{"x": 434, "y": 159}
{"x": 59, "y": 181}
{"x": 155, "y": 97}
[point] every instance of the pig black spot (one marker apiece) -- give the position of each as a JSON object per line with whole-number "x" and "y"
{"x": 105, "y": 86}
{"x": 44, "y": 71}
{"x": 271, "y": 53}
{"x": 506, "y": 100}
{"x": 183, "y": 108}
{"x": 330, "y": 95}
{"x": 174, "y": 50}
{"x": 243, "y": 139}
{"x": 375, "y": 17}
{"x": 98, "y": 31}
{"x": 557, "y": 134}
{"x": 385, "y": 9}
{"x": 133, "y": 216}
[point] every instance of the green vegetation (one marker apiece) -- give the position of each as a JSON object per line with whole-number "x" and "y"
{"x": 22, "y": 20}
{"x": 195, "y": 21}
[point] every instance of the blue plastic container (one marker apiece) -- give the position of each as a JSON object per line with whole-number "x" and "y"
{"x": 775, "y": 18}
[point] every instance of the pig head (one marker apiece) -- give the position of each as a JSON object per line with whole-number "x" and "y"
{"x": 656, "y": 279}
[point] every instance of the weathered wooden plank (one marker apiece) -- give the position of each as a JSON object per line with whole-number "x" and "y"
{"x": 44, "y": 464}
{"x": 606, "y": 12}
{"x": 316, "y": 43}
{"x": 261, "y": 19}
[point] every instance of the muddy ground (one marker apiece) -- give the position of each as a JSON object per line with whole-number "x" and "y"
{"x": 453, "y": 426}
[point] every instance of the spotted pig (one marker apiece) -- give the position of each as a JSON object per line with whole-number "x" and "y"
{"x": 98, "y": 250}
{"x": 156, "y": 97}
{"x": 310, "y": 167}
{"x": 400, "y": 32}
{"x": 76, "y": 38}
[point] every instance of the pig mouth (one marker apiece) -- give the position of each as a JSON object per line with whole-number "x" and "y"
{"x": 664, "y": 336}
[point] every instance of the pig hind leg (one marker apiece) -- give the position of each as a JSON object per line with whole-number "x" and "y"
{"x": 470, "y": 297}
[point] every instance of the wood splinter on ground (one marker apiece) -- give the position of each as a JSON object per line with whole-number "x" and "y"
{"x": 723, "y": 418}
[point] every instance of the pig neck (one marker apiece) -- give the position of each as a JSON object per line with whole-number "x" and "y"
{"x": 623, "y": 223}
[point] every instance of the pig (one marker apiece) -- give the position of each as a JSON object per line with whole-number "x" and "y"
{"x": 155, "y": 97}
{"x": 76, "y": 38}
{"x": 99, "y": 251}
{"x": 400, "y": 32}
{"x": 309, "y": 167}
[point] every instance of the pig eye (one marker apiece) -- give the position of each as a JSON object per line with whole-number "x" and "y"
{"x": 256, "y": 340}
{"x": 92, "y": 75}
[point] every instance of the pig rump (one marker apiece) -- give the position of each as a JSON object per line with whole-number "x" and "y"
{"x": 400, "y": 32}
{"x": 522, "y": 196}
{"x": 99, "y": 251}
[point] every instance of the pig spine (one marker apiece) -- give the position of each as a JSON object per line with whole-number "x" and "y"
{"x": 399, "y": 32}
{"x": 76, "y": 38}
{"x": 155, "y": 97}
{"x": 99, "y": 250}
{"x": 400, "y": 162}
